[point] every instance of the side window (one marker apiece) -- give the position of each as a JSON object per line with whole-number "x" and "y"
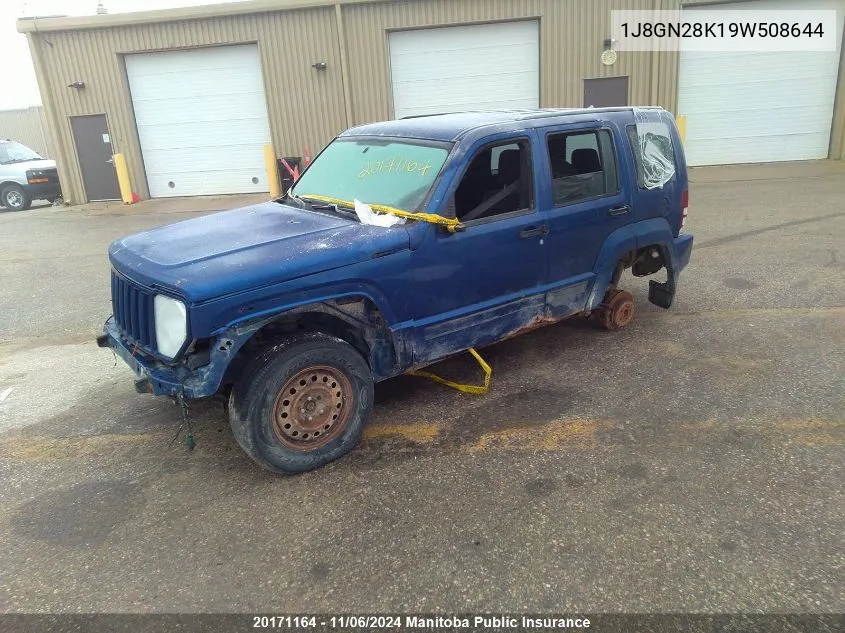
{"x": 583, "y": 166}
{"x": 498, "y": 180}
{"x": 4, "y": 155}
{"x": 654, "y": 155}
{"x": 496, "y": 153}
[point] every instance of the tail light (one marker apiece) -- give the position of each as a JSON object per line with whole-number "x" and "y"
{"x": 684, "y": 207}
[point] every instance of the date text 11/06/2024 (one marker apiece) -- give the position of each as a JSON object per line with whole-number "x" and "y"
{"x": 722, "y": 29}
{"x": 420, "y": 622}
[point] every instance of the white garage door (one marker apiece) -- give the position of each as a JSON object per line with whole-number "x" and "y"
{"x": 202, "y": 120}
{"x": 465, "y": 68}
{"x": 757, "y": 107}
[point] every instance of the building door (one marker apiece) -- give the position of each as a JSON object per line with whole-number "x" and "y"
{"x": 202, "y": 120}
{"x": 759, "y": 106}
{"x": 477, "y": 67}
{"x": 606, "y": 92}
{"x": 94, "y": 149}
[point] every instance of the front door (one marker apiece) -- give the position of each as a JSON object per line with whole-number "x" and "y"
{"x": 94, "y": 149}
{"x": 473, "y": 287}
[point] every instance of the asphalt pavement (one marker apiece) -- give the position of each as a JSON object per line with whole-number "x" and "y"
{"x": 693, "y": 461}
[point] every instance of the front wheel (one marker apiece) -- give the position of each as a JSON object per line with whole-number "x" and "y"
{"x": 15, "y": 198}
{"x": 302, "y": 403}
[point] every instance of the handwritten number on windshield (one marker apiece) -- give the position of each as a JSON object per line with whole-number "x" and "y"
{"x": 395, "y": 165}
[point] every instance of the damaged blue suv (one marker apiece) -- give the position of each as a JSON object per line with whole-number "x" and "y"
{"x": 403, "y": 243}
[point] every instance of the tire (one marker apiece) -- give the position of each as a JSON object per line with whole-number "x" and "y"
{"x": 296, "y": 378}
{"x": 15, "y": 198}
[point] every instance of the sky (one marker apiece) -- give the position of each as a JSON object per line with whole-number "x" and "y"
{"x": 20, "y": 88}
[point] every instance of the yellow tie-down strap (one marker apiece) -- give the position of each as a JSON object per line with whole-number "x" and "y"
{"x": 477, "y": 389}
{"x": 451, "y": 224}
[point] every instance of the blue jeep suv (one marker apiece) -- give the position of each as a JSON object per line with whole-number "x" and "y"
{"x": 404, "y": 242}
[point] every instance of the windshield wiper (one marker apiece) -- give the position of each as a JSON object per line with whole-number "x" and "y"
{"x": 320, "y": 205}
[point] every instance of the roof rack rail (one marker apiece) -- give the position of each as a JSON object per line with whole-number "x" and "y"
{"x": 420, "y": 116}
{"x": 546, "y": 112}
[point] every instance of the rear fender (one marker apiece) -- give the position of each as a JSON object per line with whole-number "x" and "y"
{"x": 624, "y": 241}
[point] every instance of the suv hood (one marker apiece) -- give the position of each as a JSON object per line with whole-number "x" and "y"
{"x": 225, "y": 253}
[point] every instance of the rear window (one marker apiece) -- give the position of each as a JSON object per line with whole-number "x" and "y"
{"x": 654, "y": 155}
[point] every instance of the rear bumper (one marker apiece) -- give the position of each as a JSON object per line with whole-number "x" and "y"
{"x": 682, "y": 249}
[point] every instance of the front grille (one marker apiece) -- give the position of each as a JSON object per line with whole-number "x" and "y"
{"x": 133, "y": 311}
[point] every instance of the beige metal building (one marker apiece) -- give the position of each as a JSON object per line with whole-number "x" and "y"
{"x": 191, "y": 96}
{"x": 27, "y": 126}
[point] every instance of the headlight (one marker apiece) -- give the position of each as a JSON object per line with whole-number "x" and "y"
{"x": 171, "y": 319}
{"x": 35, "y": 176}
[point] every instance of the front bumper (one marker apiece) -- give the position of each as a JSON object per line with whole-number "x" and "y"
{"x": 156, "y": 377}
{"x": 44, "y": 191}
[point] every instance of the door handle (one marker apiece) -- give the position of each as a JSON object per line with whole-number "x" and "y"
{"x": 619, "y": 210}
{"x": 534, "y": 231}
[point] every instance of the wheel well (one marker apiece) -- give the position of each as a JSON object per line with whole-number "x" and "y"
{"x": 5, "y": 184}
{"x": 648, "y": 260}
{"x": 356, "y": 321}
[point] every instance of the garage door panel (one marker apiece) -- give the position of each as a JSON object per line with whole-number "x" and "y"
{"x": 759, "y": 106}
{"x": 745, "y": 125}
{"x": 160, "y": 162}
{"x": 188, "y": 183}
{"x": 196, "y": 109}
{"x": 203, "y": 136}
{"x": 206, "y": 58}
{"x": 194, "y": 85}
{"x": 508, "y": 60}
{"x": 485, "y": 90}
{"x": 718, "y": 151}
{"x": 465, "y": 68}
{"x": 746, "y": 97}
{"x": 202, "y": 120}
{"x": 717, "y": 69}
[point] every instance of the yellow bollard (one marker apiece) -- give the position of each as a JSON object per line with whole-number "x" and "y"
{"x": 123, "y": 178}
{"x": 272, "y": 171}
{"x": 681, "y": 121}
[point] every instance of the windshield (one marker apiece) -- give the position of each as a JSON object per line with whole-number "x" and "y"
{"x": 16, "y": 153}
{"x": 394, "y": 173}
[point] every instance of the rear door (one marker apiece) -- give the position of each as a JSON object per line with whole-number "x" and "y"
{"x": 585, "y": 194}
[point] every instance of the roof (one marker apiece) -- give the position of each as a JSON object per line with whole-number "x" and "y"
{"x": 450, "y": 127}
{"x": 70, "y": 23}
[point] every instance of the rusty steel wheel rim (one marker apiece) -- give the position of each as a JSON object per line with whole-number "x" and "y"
{"x": 622, "y": 309}
{"x": 312, "y": 408}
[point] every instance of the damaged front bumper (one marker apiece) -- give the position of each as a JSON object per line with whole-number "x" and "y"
{"x": 161, "y": 379}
